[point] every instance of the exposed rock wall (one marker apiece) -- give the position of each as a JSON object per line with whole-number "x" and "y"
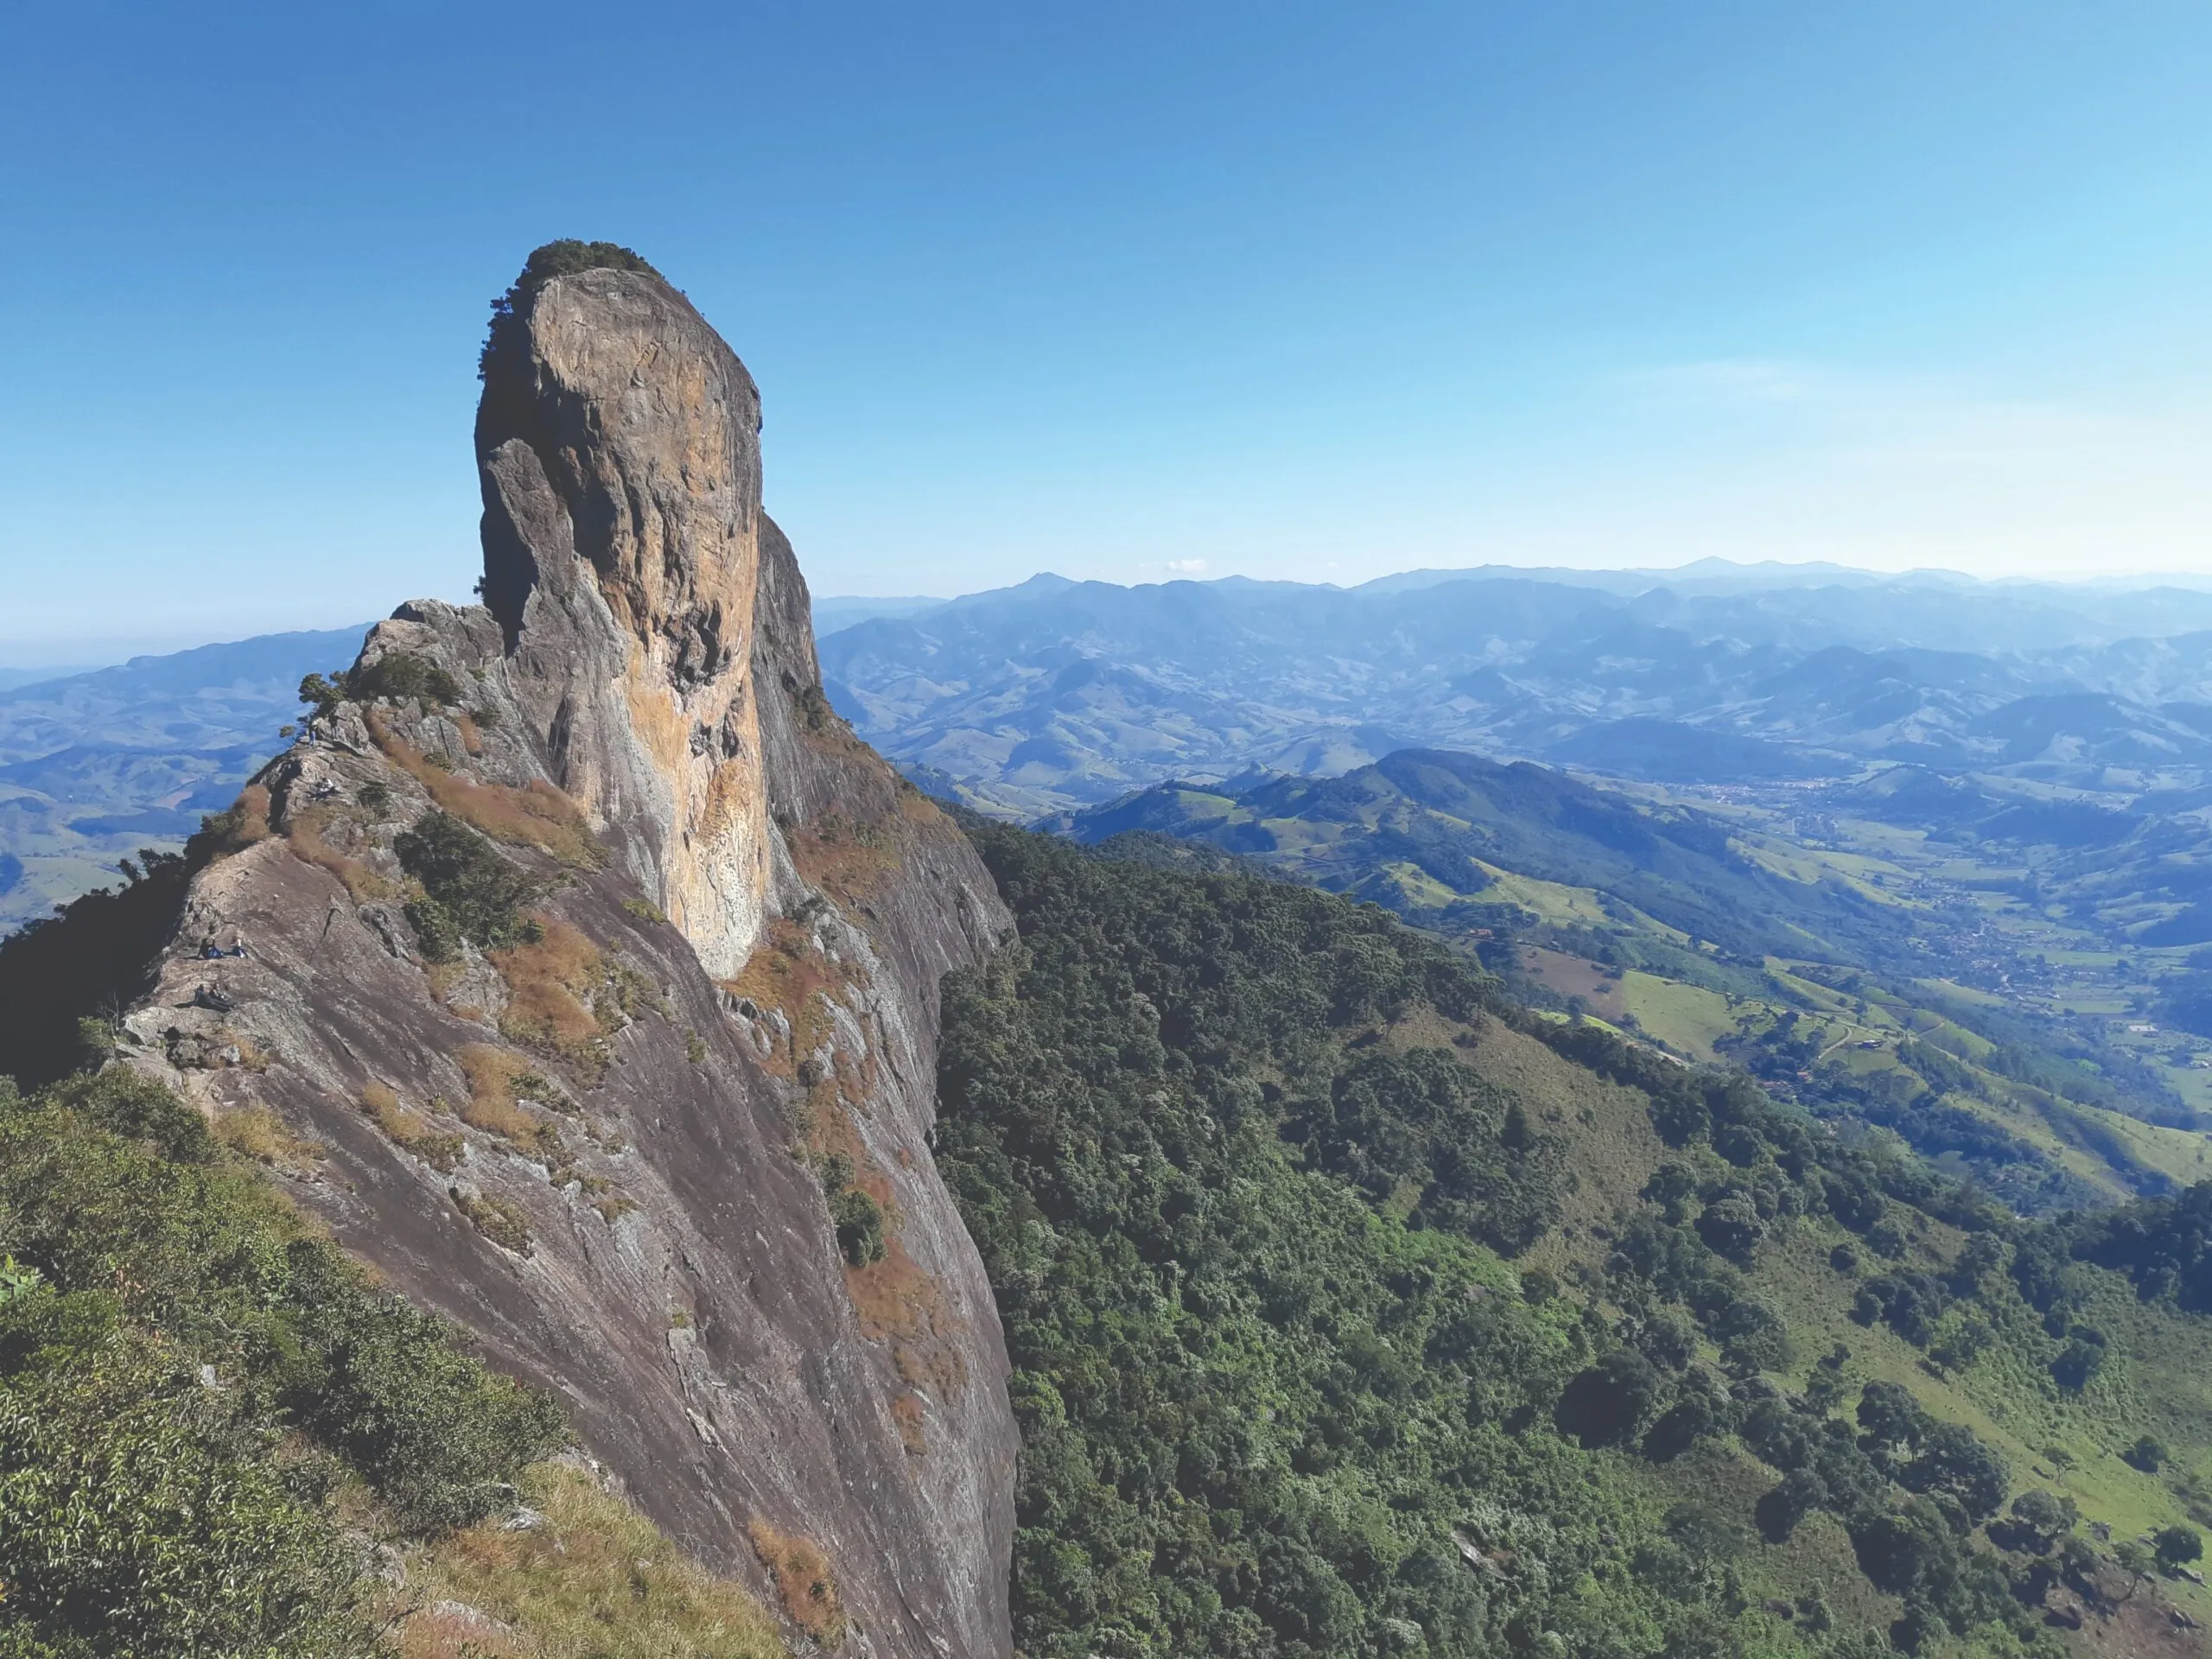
{"x": 611, "y": 1147}
{"x": 619, "y": 445}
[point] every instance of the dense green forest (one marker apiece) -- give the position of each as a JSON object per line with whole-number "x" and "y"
{"x": 1251, "y": 1193}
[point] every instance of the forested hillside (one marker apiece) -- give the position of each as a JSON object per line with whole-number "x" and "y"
{"x": 1355, "y": 1311}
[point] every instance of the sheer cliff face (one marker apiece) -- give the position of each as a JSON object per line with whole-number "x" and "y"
{"x": 619, "y": 445}
{"x": 607, "y": 1097}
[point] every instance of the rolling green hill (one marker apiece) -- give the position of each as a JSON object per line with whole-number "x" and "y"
{"x": 1429, "y": 833}
{"x": 1841, "y": 974}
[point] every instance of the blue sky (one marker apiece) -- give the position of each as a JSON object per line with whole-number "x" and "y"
{"x": 1317, "y": 291}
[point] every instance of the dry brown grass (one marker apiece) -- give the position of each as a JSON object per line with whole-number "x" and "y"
{"x": 244, "y": 822}
{"x": 547, "y": 983}
{"x": 895, "y": 1299}
{"x": 311, "y": 845}
{"x": 830, "y": 1132}
{"x": 917, "y": 808}
{"x": 786, "y": 972}
{"x": 613, "y": 1206}
{"x": 257, "y": 1133}
{"x": 503, "y": 1224}
{"x": 567, "y": 998}
{"x": 472, "y": 740}
{"x": 597, "y": 1581}
{"x": 899, "y": 1303}
{"x": 537, "y": 815}
{"x": 491, "y": 1074}
{"x": 409, "y": 1129}
{"x": 251, "y": 1056}
{"x": 845, "y": 858}
{"x": 803, "y": 1582}
{"x": 455, "y": 1630}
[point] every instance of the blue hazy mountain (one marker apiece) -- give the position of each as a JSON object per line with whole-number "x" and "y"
{"x": 1056, "y": 695}
{"x": 95, "y": 764}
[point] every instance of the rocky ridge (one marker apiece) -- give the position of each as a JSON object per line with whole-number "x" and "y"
{"x": 589, "y": 991}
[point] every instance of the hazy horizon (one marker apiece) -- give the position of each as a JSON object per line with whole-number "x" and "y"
{"x": 58, "y": 657}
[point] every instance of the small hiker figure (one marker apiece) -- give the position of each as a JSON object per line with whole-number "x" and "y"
{"x": 237, "y": 946}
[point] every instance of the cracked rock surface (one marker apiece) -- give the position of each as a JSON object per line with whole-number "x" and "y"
{"x": 607, "y": 1141}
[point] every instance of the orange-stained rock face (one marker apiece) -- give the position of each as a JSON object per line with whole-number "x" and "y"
{"x": 619, "y": 443}
{"x": 600, "y": 1141}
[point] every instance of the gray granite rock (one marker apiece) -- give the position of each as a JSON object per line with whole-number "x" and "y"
{"x": 746, "y": 915}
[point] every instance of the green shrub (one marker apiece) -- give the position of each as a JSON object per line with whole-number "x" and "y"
{"x": 144, "y": 1512}
{"x": 184, "y": 1346}
{"x": 404, "y": 677}
{"x": 2149, "y": 1454}
{"x": 567, "y": 257}
{"x": 195, "y": 1257}
{"x": 1609, "y": 1402}
{"x": 860, "y": 1226}
{"x": 322, "y": 695}
{"x": 401, "y": 675}
{"x": 470, "y": 890}
{"x": 383, "y": 1384}
{"x": 2042, "y": 1518}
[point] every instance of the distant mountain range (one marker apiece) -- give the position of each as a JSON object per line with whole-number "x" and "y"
{"x": 95, "y": 764}
{"x": 1056, "y": 695}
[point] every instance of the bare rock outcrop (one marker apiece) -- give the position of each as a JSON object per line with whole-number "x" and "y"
{"x": 619, "y": 444}
{"x": 589, "y": 991}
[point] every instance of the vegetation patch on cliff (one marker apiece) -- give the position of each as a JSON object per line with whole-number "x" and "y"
{"x": 549, "y": 983}
{"x": 499, "y": 1079}
{"x": 239, "y": 825}
{"x": 537, "y": 815}
{"x": 191, "y": 1379}
{"x": 587, "y": 1578}
{"x": 804, "y": 1581}
{"x": 789, "y": 974}
{"x": 469, "y": 892}
{"x": 410, "y": 1130}
{"x": 844, "y": 857}
{"x": 310, "y": 832}
{"x": 567, "y": 257}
